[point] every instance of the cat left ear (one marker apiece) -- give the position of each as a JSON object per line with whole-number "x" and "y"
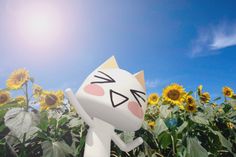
{"x": 109, "y": 64}
{"x": 140, "y": 77}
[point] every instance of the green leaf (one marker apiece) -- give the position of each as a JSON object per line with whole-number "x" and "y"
{"x": 32, "y": 79}
{"x": 74, "y": 122}
{"x": 42, "y": 135}
{"x": 190, "y": 93}
{"x": 194, "y": 149}
{"x": 165, "y": 139}
{"x": 164, "y": 111}
{"x": 43, "y": 121}
{"x": 182, "y": 127}
{"x": 2, "y": 126}
{"x": 225, "y": 143}
{"x": 127, "y": 136}
{"x": 56, "y": 149}
{"x": 21, "y": 122}
{"x": 147, "y": 137}
{"x": 218, "y": 98}
{"x": 53, "y": 122}
{"x": 81, "y": 145}
{"x": 63, "y": 121}
{"x": 200, "y": 119}
{"x": 160, "y": 126}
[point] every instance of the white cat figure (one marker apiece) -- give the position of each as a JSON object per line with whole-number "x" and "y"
{"x": 110, "y": 98}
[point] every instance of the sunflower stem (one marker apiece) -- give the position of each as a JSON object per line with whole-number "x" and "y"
{"x": 173, "y": 144}
{"x": 27, "y": 97}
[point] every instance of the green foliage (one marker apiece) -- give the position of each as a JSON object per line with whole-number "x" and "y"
{"x": 169, "y": 130}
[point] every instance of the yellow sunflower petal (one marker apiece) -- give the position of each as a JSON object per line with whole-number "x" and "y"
{"x": 21, "y": 100}
{"x": 199, "y": 90}
{"x": 17, "y": 79}
{"x": 230, "y": 125}
{"x": 174, "y": 94}
{"x": 191, "y": 107}
{"x": 189, "y": 99}
{"x": 37, "y": 90}
{"x": 4, "y": 97}
{"x": 181, "y": 107}
{"x": 152, "y": 124}
{"x": 51, "y": 99}
{"x": 227, "y": 91}
{"x": 153, "y": 99}
{"x": 205, "y": 97}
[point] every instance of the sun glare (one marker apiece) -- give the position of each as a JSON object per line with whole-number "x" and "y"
{"x": 39, "y": 30}
{"x": 40, "y": 24}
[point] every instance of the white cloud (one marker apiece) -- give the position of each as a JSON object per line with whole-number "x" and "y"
{"x": 157, "y": 83}
{"x": 153, "y": 83}
{"x": 212, "y": 39}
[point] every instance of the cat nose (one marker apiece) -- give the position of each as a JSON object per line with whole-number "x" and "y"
{"x": 135, "y": 109}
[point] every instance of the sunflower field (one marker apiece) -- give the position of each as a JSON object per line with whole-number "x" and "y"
{"x": 178, "y": 123}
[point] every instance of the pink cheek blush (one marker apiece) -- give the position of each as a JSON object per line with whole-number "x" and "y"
{"x": 94, "y": 89}
{"x": 135, "y": 109}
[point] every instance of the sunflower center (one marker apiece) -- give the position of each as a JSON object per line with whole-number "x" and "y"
{"x": 154, "y": 98}
{"x": 227, "y": 93}
{"x": 190, "y": 100}
{"x": 19, "y": 78}
{"x": 3, "y": 98}
{"x": 203, "y": 98}
{"x": 173, "y": 94}
{"x": 50, "y": 99}
{"x": 190, "y": 108}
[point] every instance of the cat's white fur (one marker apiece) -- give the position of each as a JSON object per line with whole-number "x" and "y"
{"x": 101, "y": 116}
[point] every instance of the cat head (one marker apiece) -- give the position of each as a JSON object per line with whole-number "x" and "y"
{"x": 115, "y": 96}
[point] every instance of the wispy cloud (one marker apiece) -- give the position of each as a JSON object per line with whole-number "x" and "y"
{"x": 160, "y": 83}
{"x": 153, "y": 83}
{"x": 214, "y": 38}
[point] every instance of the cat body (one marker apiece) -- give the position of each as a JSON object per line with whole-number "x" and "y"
{"x": 110, "y": 98}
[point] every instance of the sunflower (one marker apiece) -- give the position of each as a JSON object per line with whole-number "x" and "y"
{"x": 205, "y": 97}
{"x": 37, "y": 90}
{"x": 151, "y": 124}
{"x": 213, "y": 105}
{"x": 153, "y": 99}
{"x": 21, "y": 100}
{"x": 4, "y": 97}
{"x": 220, "y": 110}
{"x": 173, "y": 94}
{"x": 199, "y": 90}
{"x": 189, "y": 99}
{"x": 191, "y": 107}
{"x": 50, "y": 99}
{"x": 17, "y": 79}
{"x": 228, "y": 92}
{"x": 230, "y": 125}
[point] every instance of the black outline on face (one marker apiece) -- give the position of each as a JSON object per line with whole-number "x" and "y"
{"x": 136, "y": 95}
{"x": 112, "y": 102}
{"x": 109, "y": 79}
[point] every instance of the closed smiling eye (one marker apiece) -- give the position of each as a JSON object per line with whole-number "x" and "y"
{"x": 138, "y": 95}
{"x": 104, "y": 78}
{"x": 117, "y": 99}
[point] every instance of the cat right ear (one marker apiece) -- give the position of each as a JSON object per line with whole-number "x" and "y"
{"x": 109, "y": 64}
{"x": 140, "y": 77}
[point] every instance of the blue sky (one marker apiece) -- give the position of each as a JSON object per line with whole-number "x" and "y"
{"x": 187, "y": 42}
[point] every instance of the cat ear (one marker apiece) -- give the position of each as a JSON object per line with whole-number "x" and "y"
{"x": 109, "y": 64}
{"x": 140, "y": 77}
